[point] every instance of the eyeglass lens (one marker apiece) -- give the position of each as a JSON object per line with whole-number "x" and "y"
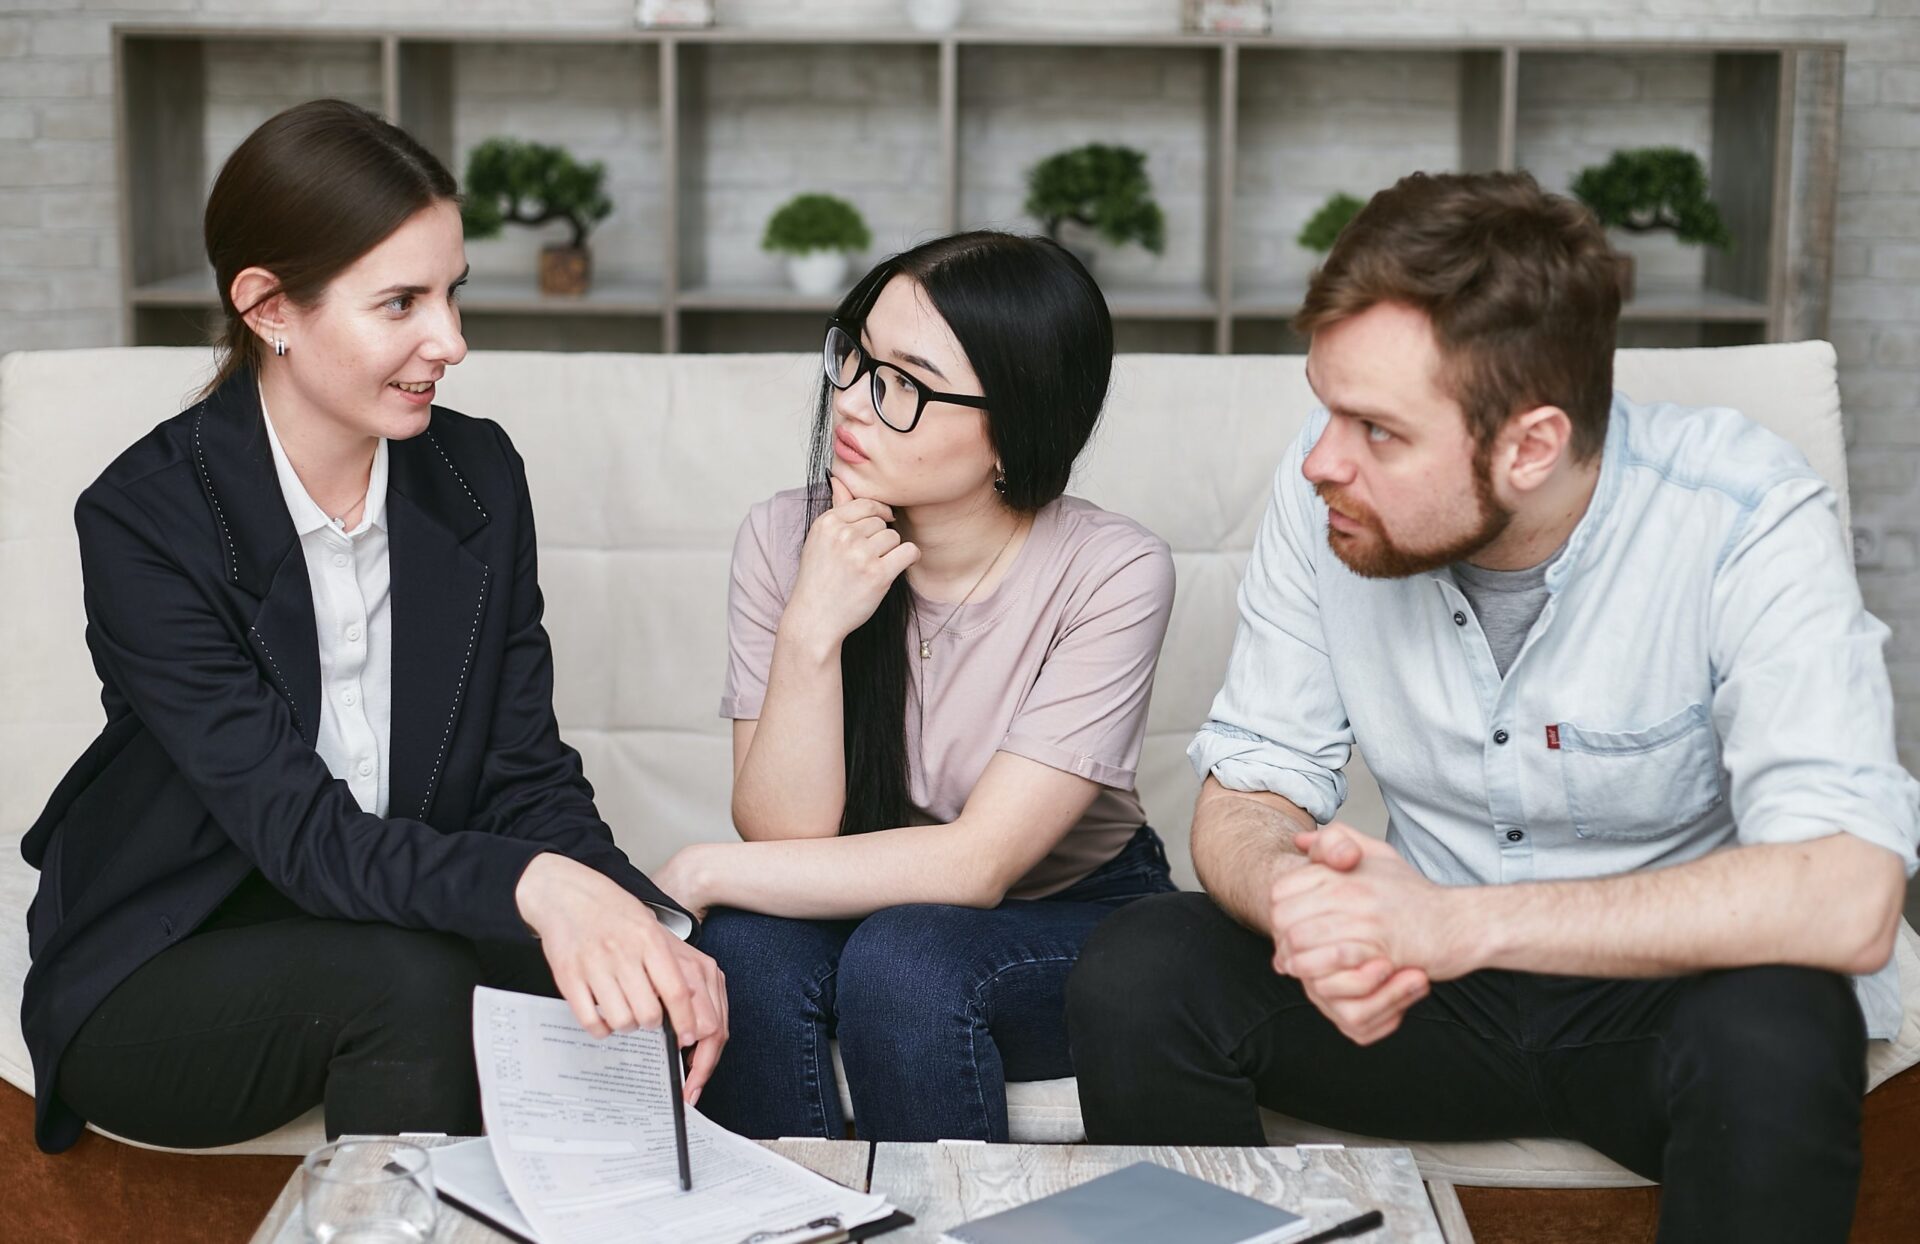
{"x": 895, "y": 396}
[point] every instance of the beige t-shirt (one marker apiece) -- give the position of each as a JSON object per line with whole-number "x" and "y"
{"x": 1055, "y": 664}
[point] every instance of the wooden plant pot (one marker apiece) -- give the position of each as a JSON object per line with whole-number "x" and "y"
{"x": 565, "y": 271}
{"x": 1624, "y": 274}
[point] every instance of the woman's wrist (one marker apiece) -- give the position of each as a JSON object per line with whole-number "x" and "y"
{"x": 530, "y": 891}
{"x": 695, "y": 874}
{"x": 814, "y": 643}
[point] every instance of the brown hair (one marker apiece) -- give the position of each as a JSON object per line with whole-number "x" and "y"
{"x": 308, "y": 193}
{"x": 1520, "y": 286}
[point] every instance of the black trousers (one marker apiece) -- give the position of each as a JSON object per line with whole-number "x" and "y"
{"x": 1738, "y": 1090}
{"x": 264, "y": 1012}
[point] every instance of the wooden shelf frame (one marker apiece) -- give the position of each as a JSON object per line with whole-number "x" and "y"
{"x": 161, "y": 110}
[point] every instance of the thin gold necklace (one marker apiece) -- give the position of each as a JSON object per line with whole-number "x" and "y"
{"x": 926, "y": 645}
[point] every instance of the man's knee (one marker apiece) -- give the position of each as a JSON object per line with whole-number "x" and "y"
{"x": 1144, "y": 961}
{"x": 1785, "y": 1036}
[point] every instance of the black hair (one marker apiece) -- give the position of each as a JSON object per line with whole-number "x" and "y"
{"x": 1037, "y": 331}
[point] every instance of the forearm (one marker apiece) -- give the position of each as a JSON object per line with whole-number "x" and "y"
{"x": 846, "y": 878}
{"x": 792, "y": 781}
{"x": 1831, "y": 903}
{"x": 1240, "y": 843}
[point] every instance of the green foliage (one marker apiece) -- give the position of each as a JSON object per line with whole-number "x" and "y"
{"x": 815, "y": 222}
{"x": 510, "y": 182}
{"x": 1649, "y": 189}
{"x": 1103, "y": 188}
{"x": 1319, "y": 232}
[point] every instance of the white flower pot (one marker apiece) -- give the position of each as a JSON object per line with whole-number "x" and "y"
{"x": 934, "y": 15}
{"x": 818, "y": 274}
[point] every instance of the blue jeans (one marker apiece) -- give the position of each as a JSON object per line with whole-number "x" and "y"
{"x": 935, "y": 1008}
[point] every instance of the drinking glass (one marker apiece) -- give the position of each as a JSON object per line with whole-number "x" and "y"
{"x": 368, "y": 1192}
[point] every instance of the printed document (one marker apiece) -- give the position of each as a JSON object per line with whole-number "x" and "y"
{"x": 582, "y": 1132}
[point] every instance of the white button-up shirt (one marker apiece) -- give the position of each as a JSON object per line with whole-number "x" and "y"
{"x": 353, "y": 617}
{"x": 1703, "y": 675}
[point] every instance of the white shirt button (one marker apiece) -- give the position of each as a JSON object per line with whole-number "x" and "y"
{"x": 340, "y": 559}
{"x": 353, "y": 634}
{"x": 347, "y": 698}
{"x": 366, "y": 768}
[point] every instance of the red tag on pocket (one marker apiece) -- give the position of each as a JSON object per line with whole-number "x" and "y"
{"x": 1553, "y": 738}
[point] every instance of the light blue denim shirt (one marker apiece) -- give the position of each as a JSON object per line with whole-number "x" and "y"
{"x": 1703, "y": 675}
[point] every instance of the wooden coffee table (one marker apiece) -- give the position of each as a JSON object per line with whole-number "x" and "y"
{"x": 945, "y": 1184}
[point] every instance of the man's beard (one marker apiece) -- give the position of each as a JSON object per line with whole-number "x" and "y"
{"x": 1381, "y": 558}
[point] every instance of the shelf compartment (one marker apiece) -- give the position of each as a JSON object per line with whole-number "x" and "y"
{"x": 1312, "y": 124}
{"x": 186, "y": 101}
{"x": 600, "y": 101}
{"x": 761, "y": 122}
{"x": 1577, "y": 108}
{"x": 1020, "y": 103}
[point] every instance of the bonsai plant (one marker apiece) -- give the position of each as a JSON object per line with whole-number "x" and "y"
{"x": 816, "y": 232}
{"x": 1324, "y": 226}
{"x": 1101, "y": 189}
{"x": 1650, "y": 190}
{"x": 510, "y": 182}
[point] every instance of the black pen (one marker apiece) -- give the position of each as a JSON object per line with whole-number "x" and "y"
{"x": 679, "y": 1105}
{"x": 1351, "y": 1227}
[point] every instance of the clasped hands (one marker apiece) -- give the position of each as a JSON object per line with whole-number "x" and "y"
{"x": 1362, "y": 930}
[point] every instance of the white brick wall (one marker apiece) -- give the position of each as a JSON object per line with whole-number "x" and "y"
{"x": 59, "y": 253}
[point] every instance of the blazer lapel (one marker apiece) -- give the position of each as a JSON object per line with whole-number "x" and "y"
{"x": 260, "y": 551}
{"x": 440, "y": 592}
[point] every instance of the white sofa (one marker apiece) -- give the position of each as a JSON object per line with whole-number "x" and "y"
{"x": 641, "y": 468}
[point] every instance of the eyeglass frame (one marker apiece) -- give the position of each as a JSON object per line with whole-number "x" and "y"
{"x": 870, "y": 366}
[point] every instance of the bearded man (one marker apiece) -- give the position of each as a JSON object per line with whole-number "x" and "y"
{"x": 1648, "y": 837}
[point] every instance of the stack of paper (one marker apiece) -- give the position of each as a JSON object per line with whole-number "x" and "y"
{"x": 581, "y": 1146}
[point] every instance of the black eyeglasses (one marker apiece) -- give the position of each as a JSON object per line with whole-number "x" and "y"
{"x": 898, "y": 398}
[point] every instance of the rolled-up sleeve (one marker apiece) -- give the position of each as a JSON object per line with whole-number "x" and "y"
{"x": 1803, "y": 705}
{"x": 1278, "y": 723}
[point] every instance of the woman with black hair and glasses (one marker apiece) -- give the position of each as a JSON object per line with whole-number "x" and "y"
{"x": 938, "y": 678}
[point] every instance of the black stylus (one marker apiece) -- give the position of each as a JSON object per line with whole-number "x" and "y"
{"x": 1351, "y": 1227}
{"x": 679, "y": 1105}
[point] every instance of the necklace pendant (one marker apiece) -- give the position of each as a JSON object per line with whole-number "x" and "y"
{"x": 926, "y": 650}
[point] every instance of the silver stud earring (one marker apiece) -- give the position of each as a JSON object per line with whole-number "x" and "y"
{"x": 279, "y": 347}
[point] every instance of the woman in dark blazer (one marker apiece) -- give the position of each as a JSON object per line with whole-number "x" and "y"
{"x": 330, "y": 796}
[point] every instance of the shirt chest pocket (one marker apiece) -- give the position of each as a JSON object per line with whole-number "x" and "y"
{"x": 1633, "y": 785}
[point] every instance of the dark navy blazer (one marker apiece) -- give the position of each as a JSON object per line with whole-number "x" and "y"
{"x": 200, "y": 622}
